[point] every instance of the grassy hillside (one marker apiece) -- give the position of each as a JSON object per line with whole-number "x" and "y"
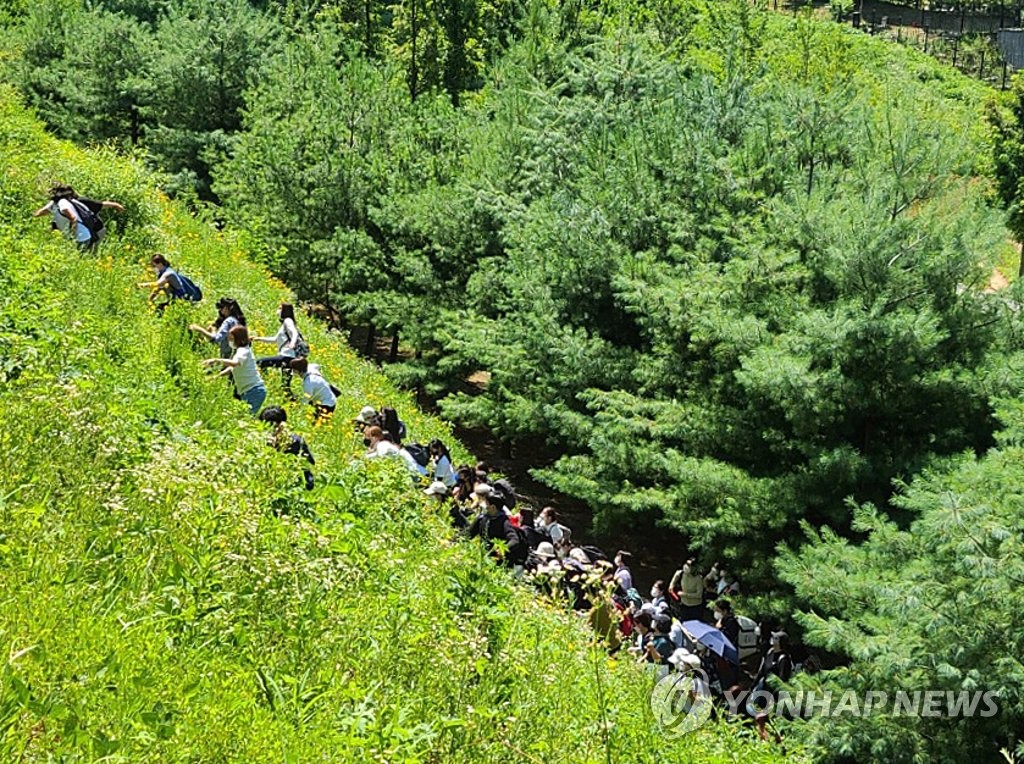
{"x": 169, "y": 593}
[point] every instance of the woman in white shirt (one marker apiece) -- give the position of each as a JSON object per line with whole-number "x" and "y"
{"x": 242, "y": 368}
{"x": 442, "y": 460}
{"x": 315, "y": 388}
{"x": 289, "y": 345}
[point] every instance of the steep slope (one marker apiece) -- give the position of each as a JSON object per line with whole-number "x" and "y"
{"x": 168, "y": 592}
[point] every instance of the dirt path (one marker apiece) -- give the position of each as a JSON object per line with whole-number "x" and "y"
{"x": 996, "y": 281}
{"x": 657, "y": 552}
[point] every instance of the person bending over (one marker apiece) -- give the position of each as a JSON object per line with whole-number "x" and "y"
{"x": 229, "y": 315}
{"x": 242, "y": 368}
{"x": 288, "y": 443}
{"x": 70, "y": 214}
{"x": 316, "y": 389}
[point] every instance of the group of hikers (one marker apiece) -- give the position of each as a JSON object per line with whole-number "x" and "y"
{"x": 686, "y": 626}
{"x": 689, "y": 624}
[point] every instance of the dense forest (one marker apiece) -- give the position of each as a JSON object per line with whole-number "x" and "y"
{"x": 731, "y": 266}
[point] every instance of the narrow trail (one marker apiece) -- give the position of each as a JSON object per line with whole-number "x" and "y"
{"x": 996, "y": 281}
{"x": 657, "y": 552}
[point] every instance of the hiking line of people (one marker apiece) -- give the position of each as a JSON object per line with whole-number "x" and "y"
{"x": 686, "y": 626}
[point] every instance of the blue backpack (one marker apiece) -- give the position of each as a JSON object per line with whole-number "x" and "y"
{"x": 187, "y": 289}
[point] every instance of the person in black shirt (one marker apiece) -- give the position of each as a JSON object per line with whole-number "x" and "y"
{"x": 777, "y": 661}
{"x": 725, "y": 622}
{"x": 494, "y": 525}
{"x": 288, "y": 443}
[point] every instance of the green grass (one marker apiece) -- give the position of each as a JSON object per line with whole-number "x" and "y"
{"x": 169, "y": 593}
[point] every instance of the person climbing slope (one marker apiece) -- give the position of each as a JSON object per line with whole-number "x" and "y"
{"x": 229, "y": 315}
{"x": 242, "y": 368}
{"x": 290, "y": 345}
{"x": 75, "y": 217}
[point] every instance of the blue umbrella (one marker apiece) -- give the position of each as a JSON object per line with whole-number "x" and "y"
{"x": 713, "y": 639}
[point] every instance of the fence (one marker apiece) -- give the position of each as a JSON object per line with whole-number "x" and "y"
{"x": 981, "y": 40}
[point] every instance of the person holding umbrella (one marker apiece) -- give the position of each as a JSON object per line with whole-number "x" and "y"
{"x": 726, "y": 622}
{"x": 713, "y": 639}
{"x": 726, "y": 667}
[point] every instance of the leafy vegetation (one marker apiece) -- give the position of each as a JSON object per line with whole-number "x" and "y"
{"x": 730, "y": 266}
{"x": 929, "y": 607}
{"x": 732, "y": 274}
{"x": 171, "y": 593}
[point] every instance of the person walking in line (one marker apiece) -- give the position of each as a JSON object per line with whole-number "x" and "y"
{"x": 492, "y": 524}
{"x": 169, "y": 283}
{"x": 316, "y": 389}
{"x": 290, "y": 345}
{"x": 288, "y": 442}
{"x": 442, "y": 463}
{"x": 623, "y": 576}
{"x": 229, "y": 315}
{"x": 75, "y": 217}
{"x": 242, "y": 368}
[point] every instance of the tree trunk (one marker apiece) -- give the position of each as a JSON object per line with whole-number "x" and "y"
{"x": 371, "y": 340}
{"x": 413, "y": 74}
{"x": 368, "y": 10}
{"x": 393, "y": 355}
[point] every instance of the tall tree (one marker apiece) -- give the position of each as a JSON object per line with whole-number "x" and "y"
{"x": 210, "y": 52}
{"x": 932, "y": 607}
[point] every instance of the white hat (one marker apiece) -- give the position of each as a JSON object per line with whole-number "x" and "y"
{"x": 683, "y": 659}
{"x": 437, "y": 488}
{"x": 546, "y": 549}
{"x": 368, "y": 413}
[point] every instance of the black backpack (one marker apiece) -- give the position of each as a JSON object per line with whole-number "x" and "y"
{"x": 506, "y": 493}
{"x": 523, "y": 550}
{"x": 419, "y": 452}
{"x": 594, "y": 553}
{"x": 535, "y": 536}
{"x": 538, "y": 535}
{"x": 89, "y": 219}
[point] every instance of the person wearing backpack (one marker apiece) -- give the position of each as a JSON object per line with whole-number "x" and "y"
{"x": 242, "y": 368}
{"x": 290, "y": 345}
{"x": 170, "y": 283}
{"x": 75, "y": 217}
{"x": 317, "y": 390}
{"x": 288, "y": 443}
{"x": 553, "y": 531}
{"x": 493, "y": 525}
